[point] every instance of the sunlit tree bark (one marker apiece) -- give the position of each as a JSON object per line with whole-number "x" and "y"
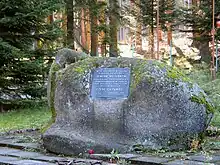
{"x": 70, "y": 24}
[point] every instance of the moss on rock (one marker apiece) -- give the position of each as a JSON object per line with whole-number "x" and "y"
{"x": 51, "y": 88}
{"x": 154, "y": 113}
{"x": 65, "y": 56}
{"x": 201, "y": 99}
{"x": 140, "y": 69}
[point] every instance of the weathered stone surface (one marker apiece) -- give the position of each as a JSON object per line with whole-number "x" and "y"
{"x": 205, "y": 158}
{"x": 17, "y": 161}
{"x": 10, "y": 143}
{"x": 6, "y": 151}
{"x": 149, "y": 160}
{"x": 159, "y": 112}
{"x": 23, "y": 154}
{"x": 109, "y": 156}
{"x": 31, "y": 162}
{"x": 85, "y": 162}
{"x": 48, "y": 158}
{"x": 67, "y": 56}
{"x": 7, "y": 159}
{"x": 10, "y": 152}
{"x": 187, "y": 162}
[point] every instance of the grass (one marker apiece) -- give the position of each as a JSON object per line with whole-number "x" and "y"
{"x": 36, "y": 117}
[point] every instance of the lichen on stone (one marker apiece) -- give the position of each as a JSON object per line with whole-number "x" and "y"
{"x": 51, "y": 93}
{"x": 139, "y": 72}
{"x": 51, "y": 88}
{"x": 156, "y": 114}
{"x": 63, "y": 57}
{"x": 201, "y": 99}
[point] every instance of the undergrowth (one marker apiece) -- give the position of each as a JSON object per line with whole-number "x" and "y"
{"x": 28, "y": 118}
{"x": 202, "y": 76}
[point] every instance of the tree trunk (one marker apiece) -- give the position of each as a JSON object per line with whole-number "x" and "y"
{"x": 113, "y": 28}
{"x": 202, "y": 45}
{"x": 50, "y": 19}
{"x": 88, "y": 30}
{"x": 83, "y": 34}
{"x": 151, "y": 33}
{"x": 102, "y": 34}
{"x": 151, "y": 41}
{"x": 139, "y": 32}
{"x": 94, "y": 35}
{"x": 196, "y": 35}
{"x": 70, "y": 24}
{"x": 169, "y": 34}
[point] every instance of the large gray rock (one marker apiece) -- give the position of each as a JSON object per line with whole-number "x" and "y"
{"x": 163, "y": 110}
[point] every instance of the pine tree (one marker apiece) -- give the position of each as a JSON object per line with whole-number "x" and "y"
{"x": 22, "y": 63}
{"x": 148, "y": 17}
{"x": 90, "y": 14}
{"x": 70, "y": 24}
{"x": 114, "y": 17}
{"x": 199, "y": 18}
{"x": 94, "y": 23}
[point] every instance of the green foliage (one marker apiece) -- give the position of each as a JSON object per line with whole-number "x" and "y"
{"x": 201, "y": 99}
{"x": 24, "y": 119}
{"x": 102, "y": 11}
{"x": 202, "y": 76}
{"x": 24, "y": 103}
{"x": 115, "y": 158}
{"x": 148, "y": 12}
{"x": 199, "y": 16}
{"x": 23, "y": 67}
{"x": 176, "y": 73}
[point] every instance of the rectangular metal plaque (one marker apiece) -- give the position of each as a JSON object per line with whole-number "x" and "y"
{"x": 110, "y": 83}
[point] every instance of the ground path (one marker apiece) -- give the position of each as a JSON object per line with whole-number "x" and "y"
{"x": 26, "y": 149}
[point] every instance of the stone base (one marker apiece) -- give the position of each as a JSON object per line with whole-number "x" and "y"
{"x": 68, "y": 141}
{"x": 65, "y": 141}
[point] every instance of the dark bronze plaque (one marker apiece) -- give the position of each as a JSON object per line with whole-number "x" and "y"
{"x": 110, "y": 83}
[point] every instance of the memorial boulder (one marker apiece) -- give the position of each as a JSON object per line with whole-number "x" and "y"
{"x": 119, "y": 103}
